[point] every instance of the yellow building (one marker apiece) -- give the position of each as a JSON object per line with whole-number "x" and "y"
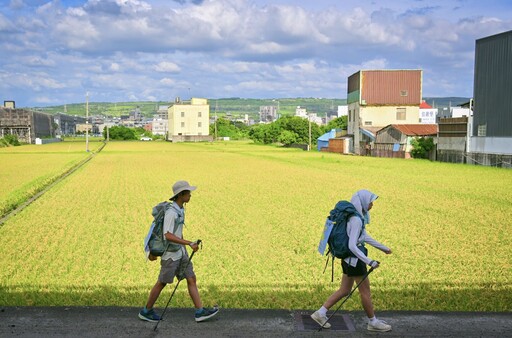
{"x": 189, "y": 121}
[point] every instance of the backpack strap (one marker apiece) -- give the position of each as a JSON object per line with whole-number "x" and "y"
{"x": 332, "y": 264}
{"x": 175, "y": 228}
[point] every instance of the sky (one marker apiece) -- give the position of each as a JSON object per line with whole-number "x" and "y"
{"x": 60, "y": 52}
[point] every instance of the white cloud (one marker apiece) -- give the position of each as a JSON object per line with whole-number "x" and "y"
{"x": 115, "y": 67}
{"x": 124, "y": 48}
{"x": 167, "y": 81}
{"x": 167, "y": 67}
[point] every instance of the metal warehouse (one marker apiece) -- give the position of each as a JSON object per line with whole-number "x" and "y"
{"x": 27, "y": 125}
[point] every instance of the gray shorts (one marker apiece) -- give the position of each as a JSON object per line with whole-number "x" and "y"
{"x": 170, "y": 269}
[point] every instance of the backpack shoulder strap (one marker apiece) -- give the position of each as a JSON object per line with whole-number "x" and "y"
{"x": 179, "y": 212}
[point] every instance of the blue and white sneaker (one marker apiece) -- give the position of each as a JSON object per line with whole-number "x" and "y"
{"x": 149, "y": 315}
{"x": 206, "y": 313}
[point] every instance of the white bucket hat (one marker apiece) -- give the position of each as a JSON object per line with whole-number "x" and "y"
{"x": 181, "y": 186}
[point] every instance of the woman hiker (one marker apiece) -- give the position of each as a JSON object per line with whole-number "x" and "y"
{"x": 354, "y": 267}
{"x": 172, "y": 260}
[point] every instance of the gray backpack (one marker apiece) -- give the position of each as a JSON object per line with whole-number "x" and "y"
{"x": 157, "y": 243}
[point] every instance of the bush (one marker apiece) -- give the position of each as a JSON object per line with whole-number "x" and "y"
{"x": 9, "y": 140}
{"x": 422, "y": 146}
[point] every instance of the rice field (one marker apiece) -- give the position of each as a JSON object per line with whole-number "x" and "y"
{"x": 28, "y": 169}
{"x": 260, "y": 211}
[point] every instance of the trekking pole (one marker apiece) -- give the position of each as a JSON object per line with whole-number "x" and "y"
{"x": 350, "y": 294}
{"x": 179, "y": 280}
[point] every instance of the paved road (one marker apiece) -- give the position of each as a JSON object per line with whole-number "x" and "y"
{"x": 123, "y": 322}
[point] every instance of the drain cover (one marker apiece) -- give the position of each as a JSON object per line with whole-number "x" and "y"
{"x": 339, "y": 322}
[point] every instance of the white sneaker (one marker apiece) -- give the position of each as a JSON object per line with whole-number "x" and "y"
{"x": 317, "y": 317}
{"x": 379, "y": 325}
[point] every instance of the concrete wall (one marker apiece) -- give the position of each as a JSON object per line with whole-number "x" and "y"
{"x": 192, "y": 138}
{"x": 490, "y": 145}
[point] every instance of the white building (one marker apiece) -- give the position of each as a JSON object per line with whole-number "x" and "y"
{"x": 301, "y": 112}
{"x": 342, "y": 111}
{"x": 460, "y": 112}
{"x": 159, "y": 126}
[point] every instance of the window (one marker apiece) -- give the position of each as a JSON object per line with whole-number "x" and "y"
{"x": 367, "y": 123}
{"x": 199, "y": 124}
{"x": 182, "y": 124}
{"x": 199, "y": 114}
{"x": 182, "y": 114}
{"x": 400, "y": 113}
{"x": 404, "y": 93}
{"x": 482, "y": 130}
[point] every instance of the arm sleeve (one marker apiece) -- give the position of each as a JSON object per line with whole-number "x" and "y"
{"x": 353, "y": 231}
{"x": 376, "y": 244}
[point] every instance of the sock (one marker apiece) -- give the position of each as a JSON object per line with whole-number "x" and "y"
{"x": 372, "y": 320}
{"x": 322, "y": 311}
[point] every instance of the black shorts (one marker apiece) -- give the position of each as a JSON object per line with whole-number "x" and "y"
{"x": 354, "y": 271}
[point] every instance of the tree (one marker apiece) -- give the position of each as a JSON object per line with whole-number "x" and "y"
{"x": 120, "y": 133}
{"x": 227, "y": 128}
{"x": 287, "y": 137}
{"x": 264, "y": 133}
{"x": 422, "y": 146}
{"x": 337, "y": 123}
{"x": 300, "y": 127}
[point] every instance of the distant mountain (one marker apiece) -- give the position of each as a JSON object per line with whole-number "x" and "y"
{"x": 232, "y": 106}
{"x": 446, "y": 102}
{"x": 228, "y": 106}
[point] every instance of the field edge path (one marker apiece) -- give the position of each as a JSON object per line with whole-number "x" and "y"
{"x": 50, "y": 185}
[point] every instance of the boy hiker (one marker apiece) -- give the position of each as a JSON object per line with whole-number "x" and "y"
{"x": 354, "y": 266}
{"x": 175, "y": 259}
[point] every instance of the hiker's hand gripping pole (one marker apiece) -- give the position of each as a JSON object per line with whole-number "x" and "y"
{"x": 179, "y": 280}
{"x": 346, "y": 298}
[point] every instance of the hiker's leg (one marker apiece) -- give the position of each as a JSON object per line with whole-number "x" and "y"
{"x": 345, "y": 287}
{"x": 154, "y": 293}
{"x": 366, "y": 296}
{"x": 194, "y": 292}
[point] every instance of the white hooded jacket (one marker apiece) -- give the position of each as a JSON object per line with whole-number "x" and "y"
{"x": 356, "y": 234}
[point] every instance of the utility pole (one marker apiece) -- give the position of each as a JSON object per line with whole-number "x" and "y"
{"x": 215, "y": 121}
{"x": 87, "y": 122}
{"x": 309, "y": 120}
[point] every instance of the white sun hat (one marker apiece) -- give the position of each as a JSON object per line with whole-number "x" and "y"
{"x": 181, "y": 186}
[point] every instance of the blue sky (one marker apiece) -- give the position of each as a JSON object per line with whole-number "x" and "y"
{"x": 54, "y": 52}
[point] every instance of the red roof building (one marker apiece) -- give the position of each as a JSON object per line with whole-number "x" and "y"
{"x": 394, "y": 140}
{"x": 425, "y": 105}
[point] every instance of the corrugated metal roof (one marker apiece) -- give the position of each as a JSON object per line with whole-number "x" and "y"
{"x": 416, "y": 129}
{"x": 327, "y": 136}
{"x": 391, "y": 87}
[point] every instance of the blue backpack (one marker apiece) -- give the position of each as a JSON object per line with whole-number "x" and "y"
{"x": 338, "y": 238}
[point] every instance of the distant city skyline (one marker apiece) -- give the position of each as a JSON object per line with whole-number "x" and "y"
{"x": 54, "y": 52}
